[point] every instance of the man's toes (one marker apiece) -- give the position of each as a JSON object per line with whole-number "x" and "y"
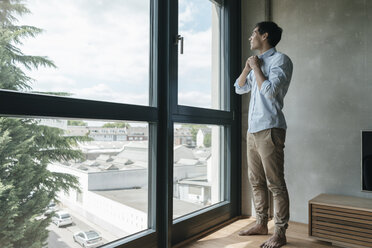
{"x": 267, "y": 244}
{"x": 276, "y": 244}
{"x": 272, "y": 244}
{"x": 263, "y": 245}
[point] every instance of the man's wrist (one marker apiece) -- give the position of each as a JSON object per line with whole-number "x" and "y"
{"x": 247, "y": 70}
{"x": 256, "y": 67}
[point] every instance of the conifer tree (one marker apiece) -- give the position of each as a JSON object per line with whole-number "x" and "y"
{"x": 26, "y": 146}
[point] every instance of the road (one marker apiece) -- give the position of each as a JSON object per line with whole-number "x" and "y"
{"x": 62, "y": 237}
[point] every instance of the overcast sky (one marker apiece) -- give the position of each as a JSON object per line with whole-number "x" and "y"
{"x": 101, "y": 49}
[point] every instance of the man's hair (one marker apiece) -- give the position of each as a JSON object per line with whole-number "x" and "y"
{"x": 274, "y": 32}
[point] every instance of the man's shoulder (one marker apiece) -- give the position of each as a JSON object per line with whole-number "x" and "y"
{"x": 281, "y": 57}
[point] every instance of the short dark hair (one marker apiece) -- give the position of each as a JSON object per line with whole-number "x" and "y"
{"x": 274, "y": 32}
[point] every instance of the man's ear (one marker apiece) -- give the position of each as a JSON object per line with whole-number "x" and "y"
{"x": 264, "y": 36}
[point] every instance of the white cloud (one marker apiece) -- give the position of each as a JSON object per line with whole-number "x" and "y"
{"x": 103, "y": 92}
{"x": 107, "y": 43}
{"x": 195, "y": 98}
{"x": 101, "y": 49}
{"x": 197, "y": 51}
{"x": 186, "y": 15}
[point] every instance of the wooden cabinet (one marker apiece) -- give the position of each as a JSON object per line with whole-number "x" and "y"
{"x": 345, "y": 221}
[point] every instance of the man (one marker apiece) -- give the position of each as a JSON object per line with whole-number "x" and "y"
{"x": 267, "y": 77}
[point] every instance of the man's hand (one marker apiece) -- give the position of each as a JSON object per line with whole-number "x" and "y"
{"x": 247, "y": 66}
{"x": 254, "y": 62}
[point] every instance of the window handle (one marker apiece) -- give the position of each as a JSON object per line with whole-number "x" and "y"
{"x": 179, "y": 38}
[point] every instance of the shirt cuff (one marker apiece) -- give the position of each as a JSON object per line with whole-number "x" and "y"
{"x": 237, "y": 84}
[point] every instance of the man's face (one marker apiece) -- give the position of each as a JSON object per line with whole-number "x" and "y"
{"x": 256, "y": 40}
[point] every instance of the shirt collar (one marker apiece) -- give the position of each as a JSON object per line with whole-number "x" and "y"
{"x": 268, "y": 53}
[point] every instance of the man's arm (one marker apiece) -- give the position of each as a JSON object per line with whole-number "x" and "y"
{"x": 280, "y": 74}
{"x": 254, "y": 63}
{"x": 243, "y": 76}
{"x": 243, "y": 83}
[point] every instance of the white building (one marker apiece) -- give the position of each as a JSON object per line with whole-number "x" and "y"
{"x": 200, "y": 136}
{"x": 183, "y": 136}
{"x": 114, "y": 188}
{"x": 58, "y": 123}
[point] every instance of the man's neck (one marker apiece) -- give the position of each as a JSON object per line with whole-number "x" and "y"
{"x": 264, "y": 49}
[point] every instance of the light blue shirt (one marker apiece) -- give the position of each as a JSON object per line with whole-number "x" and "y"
{"x": 265, "y": 107}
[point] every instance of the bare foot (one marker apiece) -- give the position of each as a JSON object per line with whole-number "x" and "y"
{"x": 275, "y": 241}
{"x": 258, "y": 229}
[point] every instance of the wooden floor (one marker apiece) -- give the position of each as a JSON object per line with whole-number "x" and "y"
{"x": 228, "y": 237}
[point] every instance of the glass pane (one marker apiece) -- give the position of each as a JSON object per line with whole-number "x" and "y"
{"x": 198, "y": 180}
{"x": 100, "y": 49}
{"x": 69, "y": 180}
{"x": 199, "y": 65}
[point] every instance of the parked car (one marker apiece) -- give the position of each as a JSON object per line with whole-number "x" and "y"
{"x": 62, "y": 218}
{"x": 88, "y": 239}
{"x": 52, "y": 207}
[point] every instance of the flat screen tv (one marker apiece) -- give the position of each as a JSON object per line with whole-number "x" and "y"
{"x": 367, "y": 161}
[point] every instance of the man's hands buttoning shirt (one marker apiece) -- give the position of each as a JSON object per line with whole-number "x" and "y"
{"x": 243, "y": 76}
{"x": 255, "y": 64}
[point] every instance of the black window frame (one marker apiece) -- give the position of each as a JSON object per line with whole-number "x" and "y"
{"x": 191, "y": 225}
{"x": 161, "y": 114}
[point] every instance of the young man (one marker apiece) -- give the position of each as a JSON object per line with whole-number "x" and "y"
{"x": 267, "y": 77}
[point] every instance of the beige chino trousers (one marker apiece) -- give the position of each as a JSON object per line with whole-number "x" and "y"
{"x": 266, "y": 172}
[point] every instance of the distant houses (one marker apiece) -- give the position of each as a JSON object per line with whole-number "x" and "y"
{"x": 137, "y": 133}
{"x": 183, "y": 136}
{"x": 109, "y": 133}
{"x": 114, "y": 183}
{"x": 114, "y": 176}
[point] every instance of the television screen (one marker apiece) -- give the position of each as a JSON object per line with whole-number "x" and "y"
{"x": 367, "y": 160}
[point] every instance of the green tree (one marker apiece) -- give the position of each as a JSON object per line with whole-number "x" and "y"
{"x": 194, "y": 129}
{"x": 76, "y": 123}
{"x": 11, "y": 57}
{"x": 207, "y": 140}
{"x": 26, "y": 147}
{"x": 116, "y": 125}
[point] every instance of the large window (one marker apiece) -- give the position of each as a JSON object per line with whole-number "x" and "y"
{"x": 199, "y": 63}
{"x": 108, "y": 134}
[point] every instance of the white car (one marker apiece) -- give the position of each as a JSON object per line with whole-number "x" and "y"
{"x": 52, "y": 207}
{"x": 62, "y": 218}
{"x": 88, "y": 239}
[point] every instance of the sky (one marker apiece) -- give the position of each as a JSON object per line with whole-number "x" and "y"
{"x": 101, "y": 49}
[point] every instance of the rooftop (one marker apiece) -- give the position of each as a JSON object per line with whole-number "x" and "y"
{"x": 138, "y": 199}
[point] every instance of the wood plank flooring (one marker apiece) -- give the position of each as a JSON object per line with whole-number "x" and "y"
{"x": 228, "y": 237}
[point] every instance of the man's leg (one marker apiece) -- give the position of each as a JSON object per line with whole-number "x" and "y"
{"x": 257, "y": 180}
{"x": 272, "y": 154}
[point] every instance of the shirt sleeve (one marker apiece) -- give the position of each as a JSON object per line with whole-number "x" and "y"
{"x": 246, "y": 87}
{"x": 279, "y": 76}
